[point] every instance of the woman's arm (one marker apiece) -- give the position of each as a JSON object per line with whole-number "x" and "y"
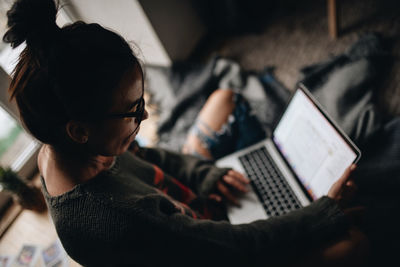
{"x": 179, "y": 240}
{"x": 199, "y": 175}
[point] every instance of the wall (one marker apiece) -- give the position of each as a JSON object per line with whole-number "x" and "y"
{"x": 125, "y": 17}
{"x": 177, "y": 25}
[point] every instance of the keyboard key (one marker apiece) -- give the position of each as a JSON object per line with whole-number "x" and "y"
{"x": 268, "y": 183}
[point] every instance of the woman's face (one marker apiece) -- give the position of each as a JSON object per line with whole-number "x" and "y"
{"x": 113, "y": 135}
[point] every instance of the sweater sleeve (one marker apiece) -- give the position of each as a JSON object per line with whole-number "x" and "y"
{"x": 199, "y": 175}
{"x": 168, "y": 238}
{"x": 99, "y": 230}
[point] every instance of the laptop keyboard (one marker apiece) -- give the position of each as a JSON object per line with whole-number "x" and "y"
{"x": 271, "y": 188}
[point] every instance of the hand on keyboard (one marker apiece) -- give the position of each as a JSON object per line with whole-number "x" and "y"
{"x": 230, "y": 185}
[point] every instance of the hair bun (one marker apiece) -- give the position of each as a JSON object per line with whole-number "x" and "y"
{"x": 33, "y": 21}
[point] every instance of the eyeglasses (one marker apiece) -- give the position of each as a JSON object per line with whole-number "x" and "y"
{"x": 138, "y": 113}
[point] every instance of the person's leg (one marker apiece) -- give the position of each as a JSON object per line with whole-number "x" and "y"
{"x": 212, "y": 117}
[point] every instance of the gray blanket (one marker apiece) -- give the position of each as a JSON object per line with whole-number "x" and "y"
{"x": 345, "y": 85}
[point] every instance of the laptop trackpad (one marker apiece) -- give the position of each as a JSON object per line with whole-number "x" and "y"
{"x": 251, "y": 209}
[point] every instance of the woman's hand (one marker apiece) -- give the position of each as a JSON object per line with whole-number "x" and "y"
{"x": 343, "y": 190}
{"x": 229, "y": 186}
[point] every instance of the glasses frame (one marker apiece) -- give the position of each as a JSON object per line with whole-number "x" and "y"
{"x": 136, "y": 114}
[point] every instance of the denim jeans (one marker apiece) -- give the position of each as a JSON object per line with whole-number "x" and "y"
{"x": 241, "y": 130}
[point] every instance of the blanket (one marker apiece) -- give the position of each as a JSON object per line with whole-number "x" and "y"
{"x": 345, "y": 85}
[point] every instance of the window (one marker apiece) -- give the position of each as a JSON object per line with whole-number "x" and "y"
{"x": 13, "y": 140}
{"x": 17, "y": 148}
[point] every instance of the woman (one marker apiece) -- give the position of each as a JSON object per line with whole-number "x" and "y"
{"x": 79, "y": 90}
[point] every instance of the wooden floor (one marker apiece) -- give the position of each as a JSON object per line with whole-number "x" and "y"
{"x": 29, "y": 228}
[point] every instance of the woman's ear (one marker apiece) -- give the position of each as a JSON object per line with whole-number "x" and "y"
{"x": 77, "y": 132}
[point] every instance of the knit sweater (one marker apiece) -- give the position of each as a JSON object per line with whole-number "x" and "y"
{"x": 130, "y": 216}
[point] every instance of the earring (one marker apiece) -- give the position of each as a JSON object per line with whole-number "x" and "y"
{"x": 84, "y": 139}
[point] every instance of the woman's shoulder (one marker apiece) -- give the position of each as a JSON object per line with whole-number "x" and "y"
{"x": 55, "y": 180}
{"x": 60, "y": 177}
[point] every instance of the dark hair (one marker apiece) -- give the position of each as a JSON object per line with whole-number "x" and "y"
{"x": 63, "y": 74}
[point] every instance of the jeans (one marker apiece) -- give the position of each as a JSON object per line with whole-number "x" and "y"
{"x": 241, "y": 130}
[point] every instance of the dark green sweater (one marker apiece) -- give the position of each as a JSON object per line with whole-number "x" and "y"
{"x": 125, "y": 217}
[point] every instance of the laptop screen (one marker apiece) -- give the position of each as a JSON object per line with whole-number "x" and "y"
{"x": 314, "y": 149}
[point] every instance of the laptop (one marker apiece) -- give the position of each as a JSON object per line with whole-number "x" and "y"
{"x": 306, "y": 153}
